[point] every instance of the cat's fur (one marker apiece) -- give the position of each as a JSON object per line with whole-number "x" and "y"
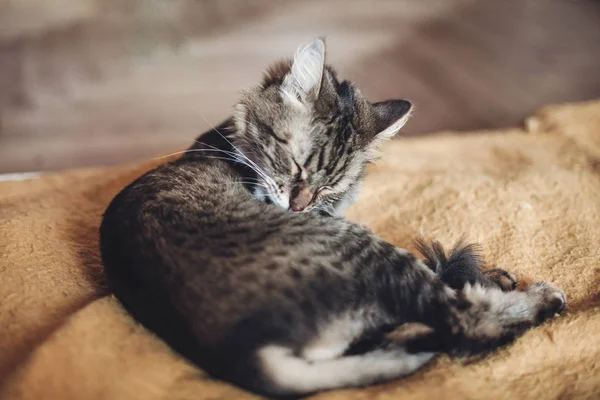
{"x": 236, "y": 256}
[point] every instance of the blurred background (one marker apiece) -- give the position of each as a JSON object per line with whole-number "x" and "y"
{"x": 100, "y": 82}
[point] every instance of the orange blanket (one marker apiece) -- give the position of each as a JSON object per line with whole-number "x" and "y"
{"x": 530, "y": 196}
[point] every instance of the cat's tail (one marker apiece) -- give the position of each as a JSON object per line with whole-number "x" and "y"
{"x": 462, "y": 264}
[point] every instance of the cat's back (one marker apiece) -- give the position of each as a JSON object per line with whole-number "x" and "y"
{"x": 189, "y": 183}
{"x": 177, "y": 208}
{"x": 188, "y": 232}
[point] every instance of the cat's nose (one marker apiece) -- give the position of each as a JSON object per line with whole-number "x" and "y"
{"x": 300, "y": 198}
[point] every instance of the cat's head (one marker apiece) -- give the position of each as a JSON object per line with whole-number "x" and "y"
{"x": 310, "y": 135}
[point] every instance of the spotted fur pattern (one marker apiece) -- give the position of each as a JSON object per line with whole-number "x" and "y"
{"x": 237, "y": 256}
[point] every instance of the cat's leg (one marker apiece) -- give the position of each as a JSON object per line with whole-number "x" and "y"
{"x": 471, "y": 320}
{"x": 478, "y": 319}
{"x": 322, "y": 361}
{"x": 288, "y": 373}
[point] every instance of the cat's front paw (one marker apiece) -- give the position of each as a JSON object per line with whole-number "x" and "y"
{"x": 503, "y": 279}
{"x": 550, "y": 300}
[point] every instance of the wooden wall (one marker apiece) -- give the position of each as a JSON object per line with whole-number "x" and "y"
{"x": 97, "y": 82}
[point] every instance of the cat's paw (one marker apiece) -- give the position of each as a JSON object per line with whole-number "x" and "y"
{"x": 550, "y": 300}
{"x": 503, "y": 279}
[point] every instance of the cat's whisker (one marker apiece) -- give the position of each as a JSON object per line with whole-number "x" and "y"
{"x": 258, "y": 169}
{"x": 255, "y": 179}
{"x": 220, "y": 134}
{"x": 225, "y": 159}
{"x": 234, "y": 158}
{"x": 245, "y": 183}
{"x": 219, "y": 158}
{"x": 170, "y": 155}
{"x": 192, "y": 151}
{"x": 236, "y": 149}
{"x": 245, "y": 160}
{"x": 212, "y": 148}
{"x": 255, "y": 169}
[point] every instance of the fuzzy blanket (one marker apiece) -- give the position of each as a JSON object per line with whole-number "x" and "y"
{"x": 530, "y": 196}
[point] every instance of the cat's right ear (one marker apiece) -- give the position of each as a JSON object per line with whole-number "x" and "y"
{"x": 389, "y": 117}
{"x": 303, "y": 82}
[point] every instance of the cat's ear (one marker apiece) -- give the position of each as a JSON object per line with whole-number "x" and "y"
{"x": 390, "y": 116}
{"x": 303, "y": 82}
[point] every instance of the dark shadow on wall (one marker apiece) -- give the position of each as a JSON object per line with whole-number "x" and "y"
{"x": 490, "y": 64}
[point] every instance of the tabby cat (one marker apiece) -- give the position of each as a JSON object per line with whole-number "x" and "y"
{"x": 237, "y": 256}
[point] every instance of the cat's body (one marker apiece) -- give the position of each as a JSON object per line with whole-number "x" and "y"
{"x": 279, "y": 300}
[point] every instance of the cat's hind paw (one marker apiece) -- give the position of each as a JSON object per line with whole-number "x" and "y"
{"x": 550, "y": 300}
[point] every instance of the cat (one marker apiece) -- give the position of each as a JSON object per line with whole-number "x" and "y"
{"x": 237, "y": 256}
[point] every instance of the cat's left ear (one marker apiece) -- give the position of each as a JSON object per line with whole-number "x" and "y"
{"x": 303, "y": 82}
{"x": 390, "y": 116}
